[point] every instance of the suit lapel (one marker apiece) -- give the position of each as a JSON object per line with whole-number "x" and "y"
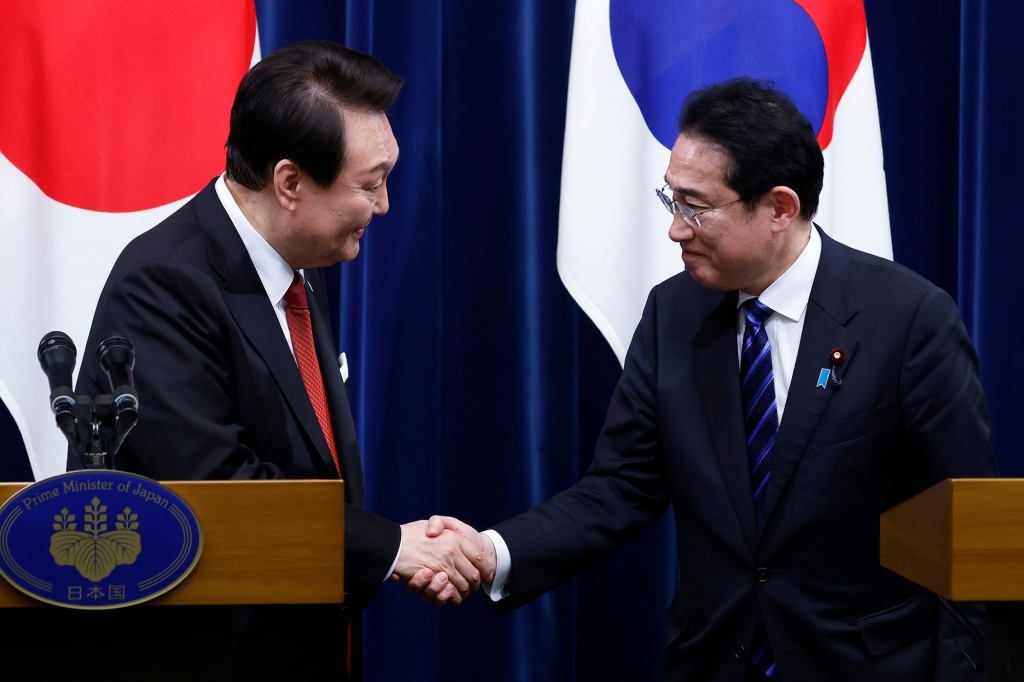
{"x": 247, "y": 300}
{"x": 828, "y": 310}
{"x": 717, "y": 376}
{"x": 337, "y": 395}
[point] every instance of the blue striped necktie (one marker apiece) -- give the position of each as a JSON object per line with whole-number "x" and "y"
{"x": 758, "y": 390}
{"x": 762, "y": 423}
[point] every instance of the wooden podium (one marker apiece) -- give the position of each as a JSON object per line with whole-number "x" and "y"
{"x": 963, "y": 539}
{"x": 264, "y": 542}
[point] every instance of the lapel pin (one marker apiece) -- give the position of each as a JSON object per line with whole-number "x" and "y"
{"x": 837, "y": 355}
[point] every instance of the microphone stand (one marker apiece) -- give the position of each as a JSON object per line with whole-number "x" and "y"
{"x": 107, "y": 419}
{"x": 94, "y": 426}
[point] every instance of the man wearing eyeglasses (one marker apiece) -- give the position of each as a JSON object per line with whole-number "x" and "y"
{"x": 780, "y": 394}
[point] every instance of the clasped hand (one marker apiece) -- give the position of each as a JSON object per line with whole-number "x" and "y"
{"x": 444, "y": 560}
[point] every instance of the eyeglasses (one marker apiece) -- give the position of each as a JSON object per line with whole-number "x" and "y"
{"x": 690, "y": 217}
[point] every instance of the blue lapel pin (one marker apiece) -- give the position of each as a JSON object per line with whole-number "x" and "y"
{"x": 837, "y": 356}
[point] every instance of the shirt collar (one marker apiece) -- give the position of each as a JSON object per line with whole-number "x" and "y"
{"x": 788, "y": 295}
{"x": 274, "y": 271}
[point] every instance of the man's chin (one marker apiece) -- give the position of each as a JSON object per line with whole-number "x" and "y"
{"x": 350, "y": 253}
{"x": 343, "y": 255}
{"x": 707, "y": 279}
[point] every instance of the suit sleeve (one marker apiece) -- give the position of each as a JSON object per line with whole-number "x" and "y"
{"x": 946, "y": 417}
{"x": 948, "y": 429}
{"x": 191, "y": 420}
{"x": 371, "y": 546}
{"x": 208, "y": 411}
{"x": 624, "y": 489}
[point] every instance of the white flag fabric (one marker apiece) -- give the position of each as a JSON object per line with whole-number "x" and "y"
{"x": 109, "y": 120}
{"x": 633, "y": 62}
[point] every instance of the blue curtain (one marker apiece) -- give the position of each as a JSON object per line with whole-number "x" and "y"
{"x": 478, "y": 385}
{"x": 991, "y": 142}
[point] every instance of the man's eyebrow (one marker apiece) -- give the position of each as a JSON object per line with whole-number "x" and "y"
{"x": 385, "y": 165}
{"x": 687, "y": 191}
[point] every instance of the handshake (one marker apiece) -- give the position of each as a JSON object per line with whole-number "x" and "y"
{"x": 444, "y": 560}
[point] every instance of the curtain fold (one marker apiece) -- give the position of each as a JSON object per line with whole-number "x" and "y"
{"x": 468, "y": 347}
{"x": 991, "y": 143}
{"x": 479, "y": 387}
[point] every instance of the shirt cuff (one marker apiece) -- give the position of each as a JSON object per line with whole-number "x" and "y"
{"x": 395, "y": 562}
{"x": 498, "y": 589}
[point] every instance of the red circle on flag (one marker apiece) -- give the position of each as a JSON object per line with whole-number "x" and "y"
{"x": 117, "y": 107}
{"x": 844, "y": 32}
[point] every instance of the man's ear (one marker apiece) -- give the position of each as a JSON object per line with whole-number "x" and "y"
{"x": 286, "y": 183}
{"x": 785, "y": 205}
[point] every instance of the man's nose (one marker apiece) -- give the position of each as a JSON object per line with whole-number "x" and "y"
{"x": 680, "y": 230}
{"x": 382, "y": 205}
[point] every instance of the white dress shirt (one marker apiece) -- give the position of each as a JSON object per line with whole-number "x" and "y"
{"x": 787, "y": 296}
{"x": 274, "y": 271}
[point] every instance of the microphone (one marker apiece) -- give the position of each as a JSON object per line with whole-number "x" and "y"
{"x": 56, "y": 355}
{"x": 116, "y": 356}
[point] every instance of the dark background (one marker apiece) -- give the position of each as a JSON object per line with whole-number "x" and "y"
{"x": 479, "y": 386}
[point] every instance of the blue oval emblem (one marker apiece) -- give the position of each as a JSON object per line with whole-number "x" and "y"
{"x": 97, "y": 539}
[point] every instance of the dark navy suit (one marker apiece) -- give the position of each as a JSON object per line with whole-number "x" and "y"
{"x": 910, "y": 412}
{"x": 221, "y": 397}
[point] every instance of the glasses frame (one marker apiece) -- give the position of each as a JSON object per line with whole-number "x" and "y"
{"x": 690, "y": 217}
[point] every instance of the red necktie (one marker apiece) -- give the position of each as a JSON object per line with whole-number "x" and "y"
{"x": 301, "y": 329}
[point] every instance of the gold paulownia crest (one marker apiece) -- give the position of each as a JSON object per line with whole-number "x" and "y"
{"x": 95, "y": 552}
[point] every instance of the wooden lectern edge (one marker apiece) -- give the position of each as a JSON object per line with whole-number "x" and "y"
{"x": 963, "y": 539}
{"x": 264, "y": 542}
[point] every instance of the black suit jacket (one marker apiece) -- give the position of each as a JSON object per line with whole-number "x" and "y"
{"x": 221, "y": 397}
{"x": 910, "y": 412}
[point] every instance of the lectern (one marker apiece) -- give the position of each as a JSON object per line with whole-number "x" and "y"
{"x": 264, "y": 542}
{"x": 963, "y": 539}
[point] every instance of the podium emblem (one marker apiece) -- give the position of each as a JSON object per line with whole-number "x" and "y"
{"x": 97, "y": 539}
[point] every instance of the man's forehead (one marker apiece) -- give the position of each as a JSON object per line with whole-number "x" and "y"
{"x": 370, "y": 143}
{"x": 367, "y": 122}
{"x": 696, "y": 159}
{"x": 692, "y": 147}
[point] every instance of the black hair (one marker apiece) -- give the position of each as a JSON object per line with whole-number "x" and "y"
{"x": 768, "y": 140}
{"x": 289, "y": 106}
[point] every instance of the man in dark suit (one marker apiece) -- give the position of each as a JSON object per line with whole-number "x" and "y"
{"x": 212, "y": 301}
{"x": 868, "y": 393}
